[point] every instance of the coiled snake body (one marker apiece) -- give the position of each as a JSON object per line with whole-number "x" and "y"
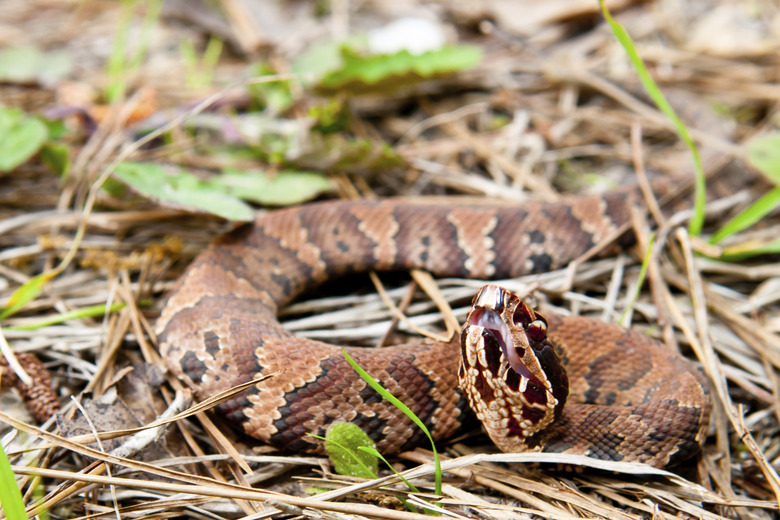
{"x": 630, "y": 398}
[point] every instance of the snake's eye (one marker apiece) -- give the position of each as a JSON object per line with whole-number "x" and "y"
{"x": 537, "y": 330}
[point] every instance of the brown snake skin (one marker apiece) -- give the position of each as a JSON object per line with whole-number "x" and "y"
{"x": 630, "y": 398}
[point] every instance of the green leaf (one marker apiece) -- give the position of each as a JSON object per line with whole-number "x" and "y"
{"x": 331, "y": 118}
{"x": 21, "y": 136}
{"x": 55, "y": 156}
{"x": 697, "y": 221}
{"x": 321, "y": 58}
{"x": 348, "y": 154}
{"x": 343, "y": 442}
{"x": 27, "y": 292}
{"x": 275, "y": 95}
{"x": 29, "y": 64}
{"x": 10, "y": 494}
{"x": 405, "y": 409}
{"x": 749, "y": 216}
{"x": 182, "y": 189}
{"x": 114, "y": 187}
{"x": 763, "y": 153}
{"x": 280, "y": 189}
{"x": 397, "y": 69}
{"x": 293, "y": 144}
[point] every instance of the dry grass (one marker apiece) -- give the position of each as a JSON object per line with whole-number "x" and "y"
{"x": 568, "y": 105}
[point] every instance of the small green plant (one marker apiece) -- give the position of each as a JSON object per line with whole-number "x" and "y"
{"x": 343, "y": 442}
{"x": 121, "y": 64}
{"x": 274, "y": 96}
{"x": 405, "y": 409}
{"x": 352, "y": 453}
{"x": 222, "y": 195}
{"x": 199, "y": 72}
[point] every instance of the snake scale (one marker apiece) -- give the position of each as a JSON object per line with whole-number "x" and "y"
{"x": 629, "y": 397}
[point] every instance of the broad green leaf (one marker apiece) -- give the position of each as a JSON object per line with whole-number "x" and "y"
{"x": 343, "y": 442}
{"x": 358, "y": 71}
{"x": 749, "y": 216}
{"x": 21, "y": 136}
{"x": 26, "y": 293}
{"x": 182, "y": 189}
{"x": 697, "y": 221}
{"x": 280, "y": 189}
{"x": 763, "y": 153}
{"x": 10, "y": 494}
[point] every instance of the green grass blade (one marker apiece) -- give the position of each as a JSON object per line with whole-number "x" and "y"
{"x": 697, "y": 221}
{"x": 640, "y": 280}
{"x": 152, "y": 16}
{"x": 10, "y": 494}
{"x": 764, "y": 155}
{"x": 365, "y": 471}
{"x": 381, "y": 457}
{"x": 28, "y": 291}
{"x": 116, "y": 60}
{"x": 75, "y": 314}
{"x": 750, "y": 249}
{"x": 749, "y": 216}
{"x": 411, "y": 486}
{"x": 405, "y": 409}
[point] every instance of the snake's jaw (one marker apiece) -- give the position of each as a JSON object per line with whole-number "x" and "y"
{"x": 510, "y": 374}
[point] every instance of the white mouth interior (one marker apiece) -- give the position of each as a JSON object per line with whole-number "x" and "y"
{"x": 490, "y": 320}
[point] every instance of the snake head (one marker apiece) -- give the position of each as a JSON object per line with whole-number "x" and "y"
{"x": 509, "y": 371}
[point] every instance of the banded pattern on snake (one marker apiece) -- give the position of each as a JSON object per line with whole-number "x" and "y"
{"x": 629, "y": 398}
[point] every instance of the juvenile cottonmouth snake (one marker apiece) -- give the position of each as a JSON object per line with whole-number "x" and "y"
{"x": 629, "y": 397}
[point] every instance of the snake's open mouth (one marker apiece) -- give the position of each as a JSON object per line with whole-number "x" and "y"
{"x": 491, "y": 321}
